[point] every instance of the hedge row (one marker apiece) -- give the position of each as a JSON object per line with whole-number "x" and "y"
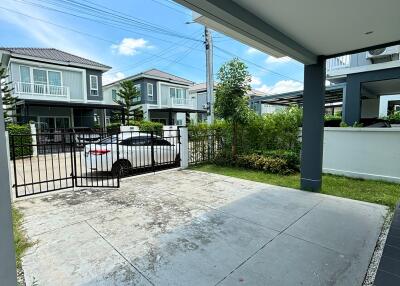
{"x": 267, "y": 163}
{"x": 20, "y": 140}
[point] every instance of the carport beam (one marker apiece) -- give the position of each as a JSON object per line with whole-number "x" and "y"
{"x": 313, "y": 126}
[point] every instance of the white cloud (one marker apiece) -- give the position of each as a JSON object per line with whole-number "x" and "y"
{"x": 253, "y": 51}
{"x": 111, "y": 77}
{"x": 44, "y": 34}
{"x": 273, "y": 60}
{"x": 130, "y": 46}
{"x": 281, "y": 87}
{"x": 255, "y": 81}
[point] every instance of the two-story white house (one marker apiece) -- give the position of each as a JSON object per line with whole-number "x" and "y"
{"x": 55, "y": 89}
{"x": 163, "y": 97}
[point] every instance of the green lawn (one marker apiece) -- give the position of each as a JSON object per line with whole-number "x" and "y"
{"x": 363, "y": 190}
{"x": 21, "y": 242}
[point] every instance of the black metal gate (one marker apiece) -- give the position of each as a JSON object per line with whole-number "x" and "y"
{"x": 49, "y": 162}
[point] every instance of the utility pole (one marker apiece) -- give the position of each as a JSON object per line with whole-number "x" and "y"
{"x": 209, "y": 75}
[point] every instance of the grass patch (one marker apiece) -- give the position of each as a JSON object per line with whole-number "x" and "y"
{"x": 21, "y": 241}
{"x": 378, "y": 192}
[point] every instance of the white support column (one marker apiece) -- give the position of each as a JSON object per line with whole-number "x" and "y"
{"x": 13, "y": 197}
{"x": 184, "y": 148}
{"x": 34, "y": 142}
{"x": 8, "y": 272}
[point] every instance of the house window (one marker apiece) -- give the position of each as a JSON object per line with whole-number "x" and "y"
{"x": 25, "y": 74}
{"x": 114, "y": 94}
{"x": 39, "y": 76}
{"x": 176, "y": 92}
{"x": 150, "y": 91}
{"x": 94, "y": 85}
{"x": 138, "y": 88}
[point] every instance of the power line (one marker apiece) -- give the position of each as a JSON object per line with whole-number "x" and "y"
{"x": 90, "y": 35}
{"x": 170, "y": 7}
{"x": 107, "y": 18}
{"x": 257, "y": 65}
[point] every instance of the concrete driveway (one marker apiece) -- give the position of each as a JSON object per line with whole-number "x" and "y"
{"x": 194, "y": 228}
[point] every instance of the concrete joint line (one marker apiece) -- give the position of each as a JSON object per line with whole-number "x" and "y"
{"x": 262, "y": 247}
{"x": 126, "y": 259}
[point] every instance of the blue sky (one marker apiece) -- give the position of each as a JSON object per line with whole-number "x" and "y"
{"x": 170, "y": 44}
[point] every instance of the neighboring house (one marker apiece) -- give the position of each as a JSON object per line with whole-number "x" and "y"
{"x": 56, "y": 89}
{"x": 363, "y": 85}
{"x": 163, "y": 97}
{"x": 372, "y": 82}
{"x": 199, "y": 92}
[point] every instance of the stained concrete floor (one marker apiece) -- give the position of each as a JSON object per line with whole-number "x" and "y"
{"x": 194, "y": 228}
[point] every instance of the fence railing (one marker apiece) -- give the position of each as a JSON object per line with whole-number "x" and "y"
{"x": 338, "y": 63}
{"x": 51, "y": 161}
{"x": 204, "y": 147}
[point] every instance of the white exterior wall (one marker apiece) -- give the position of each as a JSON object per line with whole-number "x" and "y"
{"x": 370, "y": 153}
{"x": 73, "y": 78}
{"x": 384, "y": 103}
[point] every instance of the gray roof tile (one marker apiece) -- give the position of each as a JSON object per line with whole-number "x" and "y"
{"x": 54, "y": 55}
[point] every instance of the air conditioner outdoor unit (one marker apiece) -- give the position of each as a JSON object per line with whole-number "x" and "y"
{"x": 383, "y": 52}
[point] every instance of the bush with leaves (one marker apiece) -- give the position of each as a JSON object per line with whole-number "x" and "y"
{"x": 147, "y": 125}
{"x": 20, "y": 140}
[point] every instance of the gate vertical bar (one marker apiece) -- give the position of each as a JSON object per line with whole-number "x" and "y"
{"x": 152, "y": 150}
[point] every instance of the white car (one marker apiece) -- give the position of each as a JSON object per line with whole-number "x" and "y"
{"x": 136, "y": 150}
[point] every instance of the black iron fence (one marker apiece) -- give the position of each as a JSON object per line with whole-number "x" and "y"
{"x": 51, "y": 162}
{"x": 204, "y": 146}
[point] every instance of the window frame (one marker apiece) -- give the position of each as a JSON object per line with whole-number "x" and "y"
{"x": 138, "y": 87}
{"x": 97, "y": 85}
{"x": 112, "y": 94}
{"x": 152, "y": 90}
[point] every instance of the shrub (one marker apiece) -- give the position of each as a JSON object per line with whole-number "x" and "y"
{"x": 291, "y": 157}
{"x": 267, "y": 164}
{"x": 22, "y": 140}
{"x": 394, "y": 118}
{"x": 113, "y": 128}
{"x": 332, "y": 120}
{"x": 147, "y": 126}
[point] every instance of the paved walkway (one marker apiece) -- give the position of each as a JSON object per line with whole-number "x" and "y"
{"x": 193, "y": 228}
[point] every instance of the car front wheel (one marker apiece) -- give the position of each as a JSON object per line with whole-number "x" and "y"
{"x": 121, "y": 168}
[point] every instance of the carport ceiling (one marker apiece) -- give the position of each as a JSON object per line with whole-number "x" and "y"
{"x": 383, "y": 87}
{"x": 303, "y": 29}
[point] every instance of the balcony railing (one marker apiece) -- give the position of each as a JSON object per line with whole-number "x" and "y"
{"x": 338, "y": 63}
{"x": 185, "y": 102}
{"x": 40, "y": 89}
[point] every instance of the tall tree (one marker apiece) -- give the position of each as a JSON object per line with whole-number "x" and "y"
{"x": 230, "y": 97}
{"x": 8, "y": 99}
{"x": 127, "y": 97}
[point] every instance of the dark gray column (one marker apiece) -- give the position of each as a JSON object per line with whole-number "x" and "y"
{"x": 351, "y": 110}
{"x": 313, "y": 126}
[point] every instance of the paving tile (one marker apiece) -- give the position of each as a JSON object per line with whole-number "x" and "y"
{"x": 77, "y": 255}
{"x": 291, "y": 261}
{"x": 199, "y": 253}
{"x": 386, "y": 279}
{"x": 346, "y": 226}
{"x": 392, "y": 252}
{"x": 390, "y": 265}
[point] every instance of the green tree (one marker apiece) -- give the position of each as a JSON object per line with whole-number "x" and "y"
{"x": 127, "y": 97}
{"x": 8, "y": 99}
{"x": 231, "y": 103}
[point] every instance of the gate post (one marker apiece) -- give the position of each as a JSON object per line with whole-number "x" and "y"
{"x": 8, "y": 272}
{"x": 9, "y": 166}
{"x": 34, "y": 140}
{"x": 184, "y": 148}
